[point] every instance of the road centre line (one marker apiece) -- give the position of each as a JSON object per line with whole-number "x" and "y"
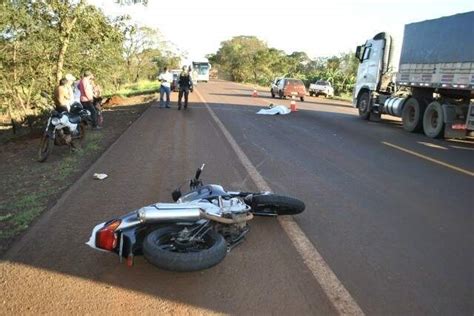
{"x": 461, "y": 147}
{"x": 441, "y": 163}
{"x": 337, "y": 294}
{"x": 433, "y": 145}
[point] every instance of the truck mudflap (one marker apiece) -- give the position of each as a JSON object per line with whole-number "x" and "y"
{"x": 454, "y": 126}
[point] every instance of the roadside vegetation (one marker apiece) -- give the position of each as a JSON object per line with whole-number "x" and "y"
{"x": 41, "y": 41}
{"x": 139, "y": 88}
{"x": 248, "y": 59}
{"x": 29, "y": 188}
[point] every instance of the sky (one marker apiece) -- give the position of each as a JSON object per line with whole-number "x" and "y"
{"x": 319, "y": 28}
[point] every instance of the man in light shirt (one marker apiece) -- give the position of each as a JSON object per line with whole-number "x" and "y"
{"x": 165, "y": 78}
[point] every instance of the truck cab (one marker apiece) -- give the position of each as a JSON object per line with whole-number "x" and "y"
{"x": 376, "y": 70}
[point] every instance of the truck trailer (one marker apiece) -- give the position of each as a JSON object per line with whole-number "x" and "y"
{"x": 428, "y": 80}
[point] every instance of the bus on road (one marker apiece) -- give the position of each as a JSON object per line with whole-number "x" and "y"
{"x": 201, "y": 70}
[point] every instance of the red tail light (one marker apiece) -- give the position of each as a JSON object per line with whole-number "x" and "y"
{"x": 106, "y": 237}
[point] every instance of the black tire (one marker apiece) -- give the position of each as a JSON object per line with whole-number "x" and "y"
{"x": 433, "y": 120}
{"x": 412, "y": 115}
{"x": 311, "y": 94}
{"x": 273, "y": 94}
{"x": 302, "y": 99}
{"x": 46, "y": 146}
{"x": 280, "y": 94}
{"x": 277, "y": 204}
{"x": 363, "y": 104}
{"x": 183, "y": 261}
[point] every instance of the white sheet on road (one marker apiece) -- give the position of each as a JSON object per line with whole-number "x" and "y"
{"x": 274, "y": 109}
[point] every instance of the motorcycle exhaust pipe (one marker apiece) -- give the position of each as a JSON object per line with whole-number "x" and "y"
{"x": 166, "y": 213}
{"x": 163, "y": 213}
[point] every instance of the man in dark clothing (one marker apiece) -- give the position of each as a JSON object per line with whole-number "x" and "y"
{"x": 185, "y": 85}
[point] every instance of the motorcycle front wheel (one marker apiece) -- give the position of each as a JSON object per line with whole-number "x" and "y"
{"x": 276, "y": 204}
{"x": 166, "y": 249}
{"x": 46, "y": 146}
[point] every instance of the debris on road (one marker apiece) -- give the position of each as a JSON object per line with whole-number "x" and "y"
{"x": 274, "y": 110}
{"x": 100, "y": 176}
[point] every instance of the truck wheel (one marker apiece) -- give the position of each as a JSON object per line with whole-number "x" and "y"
{"x": 280, "y": 94}
{"x": 311, "y": 94}
{"x": 273, "y": 94}
{"x": 412, "y": 115}
{"x": 433, "y": 120}
{"x": 363, "y": 104}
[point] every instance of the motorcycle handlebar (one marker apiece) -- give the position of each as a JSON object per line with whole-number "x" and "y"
{"x": 198, "y": 172}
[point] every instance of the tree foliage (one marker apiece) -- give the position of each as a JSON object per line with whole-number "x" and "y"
{"x": 248, "y": 59}
{"x": 42, "y": 40}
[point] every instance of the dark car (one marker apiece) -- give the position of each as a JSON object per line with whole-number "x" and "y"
{"x": 174, "y": 84}
{"x": 287, "y": 87}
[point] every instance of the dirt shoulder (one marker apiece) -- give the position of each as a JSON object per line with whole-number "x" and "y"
{"x": 29, "y": 187}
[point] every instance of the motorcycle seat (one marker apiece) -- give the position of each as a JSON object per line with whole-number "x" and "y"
{"x": 74, "y": 118}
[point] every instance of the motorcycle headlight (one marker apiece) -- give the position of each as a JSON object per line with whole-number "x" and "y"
{"x": 55, "y": 121}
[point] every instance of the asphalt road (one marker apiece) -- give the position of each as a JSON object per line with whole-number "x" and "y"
{"x": 390, "y": 212}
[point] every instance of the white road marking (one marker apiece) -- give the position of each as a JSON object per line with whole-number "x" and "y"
{"x": 461, "y": 147}
{"x": 338, "y": 295}
{"x": 433, "y": 145}
{"x": 444, "y": 164}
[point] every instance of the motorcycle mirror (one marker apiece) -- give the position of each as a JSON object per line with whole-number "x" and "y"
{"x": 198, "y": 172}
{"x": 176, "y": 194}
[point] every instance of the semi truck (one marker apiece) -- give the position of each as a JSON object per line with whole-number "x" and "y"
{"x": 428, "y": 80}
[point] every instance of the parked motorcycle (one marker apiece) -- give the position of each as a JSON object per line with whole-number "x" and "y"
{"x": 64, "y": 128}
{"x": 194, "y": 233}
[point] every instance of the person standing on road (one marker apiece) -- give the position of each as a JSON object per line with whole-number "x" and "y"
{"x": 87, "y": 96}
{"x": 62, "y": 96}
{"x": 165, "y": 88}
{"x": 185, "y": 85}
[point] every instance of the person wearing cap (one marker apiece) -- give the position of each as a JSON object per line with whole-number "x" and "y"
{"x": 87, "y": 96}
{"x": 62, "y": 96}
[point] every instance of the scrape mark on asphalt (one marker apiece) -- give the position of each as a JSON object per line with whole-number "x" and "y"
{"x": 340, "y": 298}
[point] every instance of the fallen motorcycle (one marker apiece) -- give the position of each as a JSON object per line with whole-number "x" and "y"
{"x": 64, "y": 128}
{"x": 194, "y": 233}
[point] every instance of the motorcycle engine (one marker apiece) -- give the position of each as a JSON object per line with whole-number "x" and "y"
{"x": 236, "y": 209}
{"x": 233, "y": 207}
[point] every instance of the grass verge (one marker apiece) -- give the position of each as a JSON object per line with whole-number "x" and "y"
{"x": 139, "y": 88}
{"x": 21, "y": 211}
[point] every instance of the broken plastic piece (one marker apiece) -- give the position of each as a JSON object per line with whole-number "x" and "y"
{"x": 100, "y": 176}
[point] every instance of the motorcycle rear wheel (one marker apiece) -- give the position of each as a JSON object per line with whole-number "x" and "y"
{"x": 161, "y": 249}
{"x": 276, "y": 204}
{"x": 46, "y": 146}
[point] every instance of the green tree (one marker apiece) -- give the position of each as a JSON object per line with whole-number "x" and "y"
{"x": 41, "y": 39}
{"x": 239, "y": 57}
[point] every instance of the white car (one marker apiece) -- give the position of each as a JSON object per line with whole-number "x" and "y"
{"x": 321, "y": 87}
